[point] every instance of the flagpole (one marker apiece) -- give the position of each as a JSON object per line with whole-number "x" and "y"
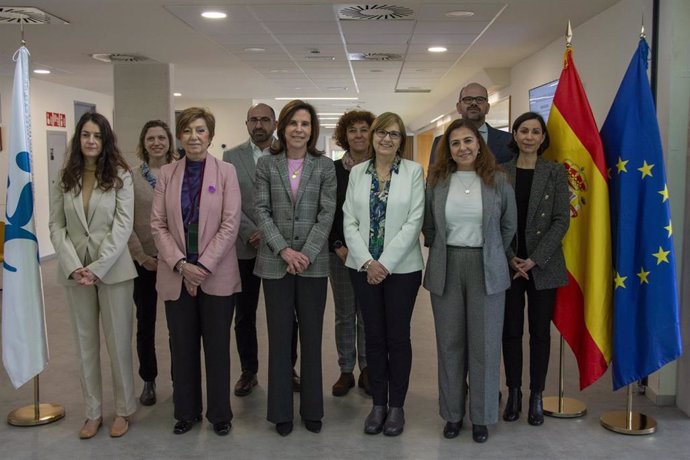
{"x": 628, "y": 422}
{"x": 560, "y": 406}
{"x": 37, "y": 413}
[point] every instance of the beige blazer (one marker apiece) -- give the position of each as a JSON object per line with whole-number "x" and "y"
{"x": 102, "y": 234}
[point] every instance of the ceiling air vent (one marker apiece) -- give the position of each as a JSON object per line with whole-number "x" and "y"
{"x": 118, "y": 57}
{"x": 377, "y": 12}
{"x": 27, "y": 15}
{"x": 374, "y": 57}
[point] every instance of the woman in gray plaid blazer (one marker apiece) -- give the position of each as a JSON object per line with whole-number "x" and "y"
{"x": 295, "y": 203}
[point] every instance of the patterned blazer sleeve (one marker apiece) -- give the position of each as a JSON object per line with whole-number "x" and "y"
{"x": 552, "y": 239}
{"x": 318, "y": 235}
{"x": 262, "y": 201}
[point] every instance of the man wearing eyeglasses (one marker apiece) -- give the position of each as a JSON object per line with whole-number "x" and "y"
{"x": 473, "y": 105}
{"x": 261, "y": 123}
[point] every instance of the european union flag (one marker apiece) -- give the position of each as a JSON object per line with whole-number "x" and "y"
{"x": 646, "y": 330}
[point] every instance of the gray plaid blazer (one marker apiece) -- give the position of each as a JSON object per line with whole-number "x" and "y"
{"x": 303, "y": 225}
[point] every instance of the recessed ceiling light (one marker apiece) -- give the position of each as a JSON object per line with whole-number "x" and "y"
{"x": 437, "y": 49}
{"x": 254, "y": 50}
{"x": 307, "y": 98}
{"x": 278, "y": 71}
{"x": 214, "y": 15}
{"x": 42, "y": 71}
{"x": 375, "y": 70}
{"x": 177, "y": 94}
{"x": 460, "y": 14}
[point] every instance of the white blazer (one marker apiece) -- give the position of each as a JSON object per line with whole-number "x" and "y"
{"x": 402, "y": 252}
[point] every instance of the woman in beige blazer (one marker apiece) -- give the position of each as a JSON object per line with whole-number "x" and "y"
{"x": 91, "y": 213}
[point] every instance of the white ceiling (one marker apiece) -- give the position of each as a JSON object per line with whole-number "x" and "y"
{"x": 306, "y": 46}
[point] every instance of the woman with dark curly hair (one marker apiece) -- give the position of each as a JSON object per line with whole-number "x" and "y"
{"x": 91, "y": 213}
{"x": 469, "y": 222}
{"x": 155, "y": 149}
{"x": 352, "y": 134}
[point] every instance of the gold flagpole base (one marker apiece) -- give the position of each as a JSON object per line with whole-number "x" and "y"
{"x": 572, "y": 408}
{"x": 636, "y": 424}
{"x": 26, "y": 416}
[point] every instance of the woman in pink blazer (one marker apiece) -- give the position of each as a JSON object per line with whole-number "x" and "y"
{"x": 194, "y": 220}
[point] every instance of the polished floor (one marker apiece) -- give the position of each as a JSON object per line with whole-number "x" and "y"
{"x": 251, "y": 437}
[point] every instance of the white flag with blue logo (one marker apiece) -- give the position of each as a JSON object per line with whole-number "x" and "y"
{"x": 24, "y": 342}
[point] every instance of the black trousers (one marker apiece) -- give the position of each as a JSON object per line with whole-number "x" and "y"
{"x": 285, "y": 297}
{"x": 146, "y": 300}
{"x": 246, "y": 303}
{"x": 539, "y": 313}
{"x": 192, "y": 320}
{"x": 387, "y": 311}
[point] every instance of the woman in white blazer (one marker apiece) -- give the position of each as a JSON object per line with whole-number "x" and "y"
{"x": 382, "y": 219}
{"x": 91, "y": 214}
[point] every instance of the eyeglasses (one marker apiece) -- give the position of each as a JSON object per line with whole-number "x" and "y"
{"x": 382, "y": 133}
{"x": 477, "y": 100}
{"x": 262, "y": 120}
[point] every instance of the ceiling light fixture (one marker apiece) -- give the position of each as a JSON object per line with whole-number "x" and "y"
{"x": 214, "y": 15}
{"x": 42, "y": 71}
{"x": 177, "y": 94}
{"x": 437, "y": 49}
{"x": 460, "y": 14}
{"x": 254, "y": 50}
{"x": 307, "y": 98}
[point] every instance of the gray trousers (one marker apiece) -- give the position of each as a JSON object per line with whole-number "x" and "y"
{"x": 469, "y": 324}
{"x": 349, "y": 326}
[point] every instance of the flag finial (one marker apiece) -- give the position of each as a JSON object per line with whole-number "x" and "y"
{"x": 569, "y": 36}
{"x": 643, "y": 34}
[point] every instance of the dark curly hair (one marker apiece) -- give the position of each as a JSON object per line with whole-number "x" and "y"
{"x": 170, "y": 155}
{"x": 109, "y": 161}
{"x": 347, "y": 120}
{"x": 284, "y": 119}
{"x": 485, "y": 165}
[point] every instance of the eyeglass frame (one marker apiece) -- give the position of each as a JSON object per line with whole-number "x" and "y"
{"x": 468, "y": 100}
{"x": 382, "y": 133}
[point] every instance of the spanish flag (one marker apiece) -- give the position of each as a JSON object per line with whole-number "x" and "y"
{"x": 583, "y": 308}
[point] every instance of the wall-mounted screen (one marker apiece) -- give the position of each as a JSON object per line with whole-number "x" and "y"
{"x": 541, "y": 98}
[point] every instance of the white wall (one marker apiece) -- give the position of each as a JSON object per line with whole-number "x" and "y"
{"x": 45, "y": 97}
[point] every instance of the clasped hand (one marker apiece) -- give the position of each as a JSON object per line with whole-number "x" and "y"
{"x": 376, "y": 272}
{"x": 193, "y": 276}
{"x": 295, "y": 260}
{"x": 522, "y": 267}
{"x": 84, "y": 277}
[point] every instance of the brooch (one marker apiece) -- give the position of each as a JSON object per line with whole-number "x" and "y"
{"x": 212, "y": 189}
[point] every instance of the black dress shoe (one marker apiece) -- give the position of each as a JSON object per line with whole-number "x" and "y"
{"x": 374, "y": 421}
{"x": 284, "y": 428}
{"x": 363, "y": 381}
{"x": 148, "y": 394}
{"x": 246, "y": 383}
{"x": 535, "y": 416}
{"x": 296, "y": 384}
{"x": 313, "y": 425}
{"x": 222, "y": 428}
{"x": 183, "y": 426}
{"x": 344, "y": 383}
{"x": 452, "y": 429}
{"x": 480, "y": 433}
{"x": 514, "y": 405}
{"x": 395, "y": 421}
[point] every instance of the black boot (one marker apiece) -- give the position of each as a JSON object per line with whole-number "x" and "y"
{"x": 514, "y": 405}
{"x": 536, "y": 409}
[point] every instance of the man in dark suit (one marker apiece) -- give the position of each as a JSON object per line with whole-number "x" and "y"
{"x": 473, "y": 105}
{"x": 261, "y": 123}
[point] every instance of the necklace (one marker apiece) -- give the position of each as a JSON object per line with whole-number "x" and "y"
{"x": 295, "y": 172}
{"x": 467, "y": 187}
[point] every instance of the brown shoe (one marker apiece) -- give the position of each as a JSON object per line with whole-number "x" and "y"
{"x": 245, "y": 384}
{"x": 344, "y": 383}
{"x": 119, "y": 427}
{"x": 90, "y": 428}
{"x": 363, "y": 381}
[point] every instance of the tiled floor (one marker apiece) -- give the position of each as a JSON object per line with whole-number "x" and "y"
{"x": 252, "y": 436}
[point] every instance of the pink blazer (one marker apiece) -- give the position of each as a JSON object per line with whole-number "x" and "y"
{"x": 219, "y": 221}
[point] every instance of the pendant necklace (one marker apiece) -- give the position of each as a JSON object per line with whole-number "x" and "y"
{"x": 296, "y": 171}
{"x": 467, "y": 187}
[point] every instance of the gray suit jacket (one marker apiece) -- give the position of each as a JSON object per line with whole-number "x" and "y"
{"x": 498, "y": 143}
{"x": 548, "y": 219}
{"x": 303, "y": 225}
{"x": 499, "y": 221}
{"x": 242, "y": 158}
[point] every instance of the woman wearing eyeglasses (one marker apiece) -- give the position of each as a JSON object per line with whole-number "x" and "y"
{"x": 382, "y": 219}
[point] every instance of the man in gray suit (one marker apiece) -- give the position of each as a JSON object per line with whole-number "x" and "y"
{"x": 473, "y": 105}
{"x": 261, "y": 123}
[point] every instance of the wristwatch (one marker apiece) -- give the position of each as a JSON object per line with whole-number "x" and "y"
{"x": 337, "y": 244}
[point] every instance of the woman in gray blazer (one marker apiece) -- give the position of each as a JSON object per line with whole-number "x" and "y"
{"x": 382, "y": 217}
{"x": 536, "y": 259}
{"x": 295, "y": 203}
{"x": 91, "y": 211}
{"x": 469, "y": 222}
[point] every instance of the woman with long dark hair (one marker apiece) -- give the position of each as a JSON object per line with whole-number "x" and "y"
{"x": 91, "y": 213}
